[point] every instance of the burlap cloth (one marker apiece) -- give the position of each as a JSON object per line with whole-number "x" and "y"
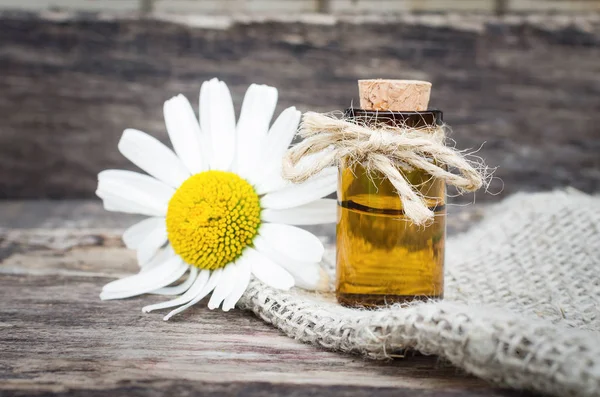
{"x": 522, "y": 303}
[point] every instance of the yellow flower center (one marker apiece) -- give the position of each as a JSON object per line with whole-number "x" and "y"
{"x": 212, "y": 217}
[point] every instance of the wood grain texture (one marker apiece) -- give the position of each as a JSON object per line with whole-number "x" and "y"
{"x": 528, "y": 87}
{"x": 58, "y": 338}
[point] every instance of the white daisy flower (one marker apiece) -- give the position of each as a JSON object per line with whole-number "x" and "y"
{"x": 218, "y": 208}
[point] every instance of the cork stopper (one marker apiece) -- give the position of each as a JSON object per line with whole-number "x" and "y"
{"x": 394, "y": 95}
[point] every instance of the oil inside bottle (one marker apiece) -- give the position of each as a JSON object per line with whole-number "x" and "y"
{"x": 382, "y": 256}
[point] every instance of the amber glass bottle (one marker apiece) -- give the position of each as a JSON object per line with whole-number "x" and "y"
{"x": 382, "y": 256}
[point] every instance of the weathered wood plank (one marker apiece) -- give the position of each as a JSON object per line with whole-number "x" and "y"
{"x": 254, "y": 389}
{"x": 526, "y": 86}
{"x": 56, "y": 336}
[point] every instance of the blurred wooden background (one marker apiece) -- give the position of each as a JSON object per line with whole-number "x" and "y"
{"x": 72, "y": 78}
{"x": 333, "y": 6}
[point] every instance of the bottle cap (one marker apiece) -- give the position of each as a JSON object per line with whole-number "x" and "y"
{"x": 394, "y": 95}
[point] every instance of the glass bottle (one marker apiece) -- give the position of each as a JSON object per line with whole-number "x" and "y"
{"x": 382, "y": 256}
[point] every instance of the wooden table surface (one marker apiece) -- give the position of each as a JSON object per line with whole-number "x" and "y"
{"x": 57, "y": 337}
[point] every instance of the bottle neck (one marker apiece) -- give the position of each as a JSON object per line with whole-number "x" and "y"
{"x": 426, "y": 119}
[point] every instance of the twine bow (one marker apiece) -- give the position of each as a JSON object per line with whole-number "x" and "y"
{"x": 385, "y": 149}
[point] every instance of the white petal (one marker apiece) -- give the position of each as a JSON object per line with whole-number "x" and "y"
{"x": 132, "y": 188}
{"x": 224, "y": 287}
{"x": 295, "y": 243}
{"x": 145, "y": 282}
{"x": 161, "y": 256}
{"x": 181, "y": 288}
{"x": 152, "y": 156}
{"x": 135, "y": 182}
{"x": 244, "y": 271}
{"x": 279, "y": 138}
{"x": 151, "y": 244}
{"x": 270, "y": 182}
{"x": 282, "y": 133}
{"x": 307, "y": 275}
{"x": 115, "y": 203}
{"x": 316, "y": 212}
{"x": 171, "y": 278}
{"x": 184, "y": 132}
{"x": 208, "y": 287}
{"x": 257, "y": 110}
{"x": 130, "y": 282}
{"x": 217, "y": 119}
{"x": 135, "y": 234}
{"x": 190, "y": 294}
{"x": 296, "y": 195}
{"x": 268, "y": 271}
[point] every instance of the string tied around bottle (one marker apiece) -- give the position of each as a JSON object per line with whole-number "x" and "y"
{"x": 390, "y": 150}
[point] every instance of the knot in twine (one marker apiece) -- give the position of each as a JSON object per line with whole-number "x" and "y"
{"x": 387, "y": 149}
